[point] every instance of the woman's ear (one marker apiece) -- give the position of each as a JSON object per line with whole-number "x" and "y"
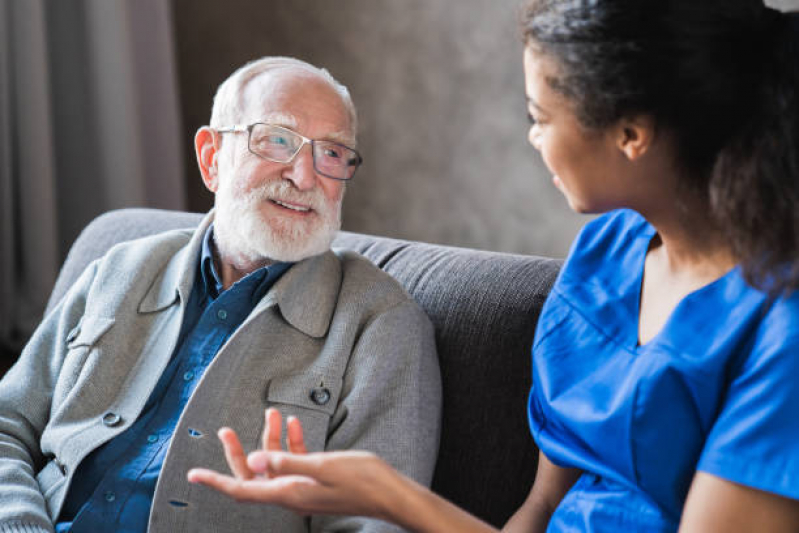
{"x": 206, "y": 148}
{"x": 635, "y": 136}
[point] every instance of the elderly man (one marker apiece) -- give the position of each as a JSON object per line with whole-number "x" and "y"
{"x": 166, "y": 339}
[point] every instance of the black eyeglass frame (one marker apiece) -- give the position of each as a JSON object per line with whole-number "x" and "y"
{"x": 305, "y": 140}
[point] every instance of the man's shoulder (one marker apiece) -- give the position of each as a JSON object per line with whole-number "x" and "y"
{"x": 147, "y": 249}
{"x": 130, "y": 268}
{"x": 364, "y": 281}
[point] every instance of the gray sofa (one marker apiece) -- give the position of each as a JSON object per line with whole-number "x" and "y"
{"x": 484, "y": 307}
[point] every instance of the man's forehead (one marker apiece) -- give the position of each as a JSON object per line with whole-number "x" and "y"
{"x": 294, "y": 99}
{"x": 287, "y": 120}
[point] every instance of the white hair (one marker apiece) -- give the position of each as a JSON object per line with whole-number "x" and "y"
{"x": 227, "y": 101}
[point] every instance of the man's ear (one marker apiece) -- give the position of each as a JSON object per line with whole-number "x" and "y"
{"x": 206, "y": 148}
{"x": 635, "y": 136}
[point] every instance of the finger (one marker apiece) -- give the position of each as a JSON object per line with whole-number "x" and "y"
{"x": 234, "y": 454}
{"x": 258, "y": 461}
{"x": 294, "y": 436}
{"x": 272, "y": 429}
{"x": 212, "y": 479}
{"x": 286, "y": 464}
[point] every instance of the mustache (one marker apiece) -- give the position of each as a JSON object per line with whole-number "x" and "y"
{"x": 283, "y": 191}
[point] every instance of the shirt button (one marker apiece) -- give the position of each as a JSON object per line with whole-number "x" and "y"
{"x": 188, "y": 376}
{"x": 152, "y": 438}
{"x": 222, "y": 314}
{"x": 320, "y": 395}
{"x": 110, "y": 496}
{"x": 111, "y": 419}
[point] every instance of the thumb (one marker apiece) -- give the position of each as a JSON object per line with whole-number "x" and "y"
{"x": 258, "y": 460}
{"x": 284, "y": 464}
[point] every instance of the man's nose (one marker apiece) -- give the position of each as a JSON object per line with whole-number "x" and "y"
{"x": 301, "y": 170}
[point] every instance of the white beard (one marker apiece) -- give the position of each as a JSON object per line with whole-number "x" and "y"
{"x": 243, "y": 236}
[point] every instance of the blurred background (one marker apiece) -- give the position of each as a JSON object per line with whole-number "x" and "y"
{"x": 100, "y": 99}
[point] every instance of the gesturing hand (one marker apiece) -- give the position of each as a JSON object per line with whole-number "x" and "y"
{"x": 236, "y": 458}
{"x": 350, "y": 482}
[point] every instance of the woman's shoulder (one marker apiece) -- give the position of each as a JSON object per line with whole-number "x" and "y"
{"x": 780, "y": 323}
{"x": 612, "y": 228}
{"x": 612, "y": 240}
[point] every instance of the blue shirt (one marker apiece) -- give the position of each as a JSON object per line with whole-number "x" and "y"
{"x": 716, "y": 390}
{"x": 113, "y": 487}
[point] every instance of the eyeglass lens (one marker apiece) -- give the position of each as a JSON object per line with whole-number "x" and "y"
{"x": 281, "y": 145}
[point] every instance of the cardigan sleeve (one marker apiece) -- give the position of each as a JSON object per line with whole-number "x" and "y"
{"x": 26, "y": 393}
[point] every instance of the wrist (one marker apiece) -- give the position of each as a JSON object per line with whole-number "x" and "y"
{"x": 415, "y": 508}
{"x": 408, "y": 504}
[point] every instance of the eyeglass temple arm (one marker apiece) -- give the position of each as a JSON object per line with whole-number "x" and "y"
{"x": 232, "y": 129}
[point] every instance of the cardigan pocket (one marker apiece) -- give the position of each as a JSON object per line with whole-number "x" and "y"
{"x": 88, "y": 331}
{"x": 311, "y": 397}
{"x": 81, "y": 342}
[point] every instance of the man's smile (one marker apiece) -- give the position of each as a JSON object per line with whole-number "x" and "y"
{"x": 297, "y": 208}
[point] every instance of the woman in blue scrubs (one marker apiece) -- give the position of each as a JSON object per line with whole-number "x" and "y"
{"x": 666, "y": 359}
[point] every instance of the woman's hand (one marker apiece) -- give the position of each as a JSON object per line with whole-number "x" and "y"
{"x": 350, "y": 483}
{"x": 353, "y": 483}
{"x": 236, "y": 458}
{"x": 234, "y": 453}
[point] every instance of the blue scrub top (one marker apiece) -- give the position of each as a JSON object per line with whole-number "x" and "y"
{"x": 716, "y": 390}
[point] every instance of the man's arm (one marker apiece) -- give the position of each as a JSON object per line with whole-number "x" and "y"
{"x": 25, "y": 406}
{"x": 390, "y": 402}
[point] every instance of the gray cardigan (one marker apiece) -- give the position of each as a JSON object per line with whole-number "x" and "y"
{"x": 334, "y": 321}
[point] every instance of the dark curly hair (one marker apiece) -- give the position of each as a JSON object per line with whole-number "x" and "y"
{"x": 721, "y": 76}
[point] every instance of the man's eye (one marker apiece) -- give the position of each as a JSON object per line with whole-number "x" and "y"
{"x": 278, "y": 140}
{"x": 531, "y": 118}
{"x": 332, "y": 152}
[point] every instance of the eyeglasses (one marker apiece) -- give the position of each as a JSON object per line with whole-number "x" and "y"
{"x": 281, "y": 145}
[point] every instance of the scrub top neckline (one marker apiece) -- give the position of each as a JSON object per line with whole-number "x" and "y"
{"x": 641, "y": 250}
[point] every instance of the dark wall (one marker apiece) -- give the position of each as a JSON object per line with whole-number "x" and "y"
{"x": 440, "y": 93}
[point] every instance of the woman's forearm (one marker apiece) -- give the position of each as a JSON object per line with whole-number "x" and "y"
{"x": 417, "y": 509}
{"x": 532, "y": 517}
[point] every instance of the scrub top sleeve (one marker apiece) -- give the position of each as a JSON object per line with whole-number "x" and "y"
{"x": 754, "y": 438}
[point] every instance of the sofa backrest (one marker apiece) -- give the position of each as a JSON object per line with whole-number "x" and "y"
{"x": 484, "y": 306}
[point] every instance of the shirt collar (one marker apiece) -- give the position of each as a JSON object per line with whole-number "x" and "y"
{"x": 211, "y": 280}
{"x": 261, "y": 279}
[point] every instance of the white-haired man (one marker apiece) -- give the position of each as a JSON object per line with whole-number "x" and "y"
{"x": 166, "y": 339}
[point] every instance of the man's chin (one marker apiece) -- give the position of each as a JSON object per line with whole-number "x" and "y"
{"x": 257, "y": 234}
{"x": 293, "y": 244}
{"x": 292, "y": 252}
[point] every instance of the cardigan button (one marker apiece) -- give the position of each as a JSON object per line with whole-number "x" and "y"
{"x": 111, "y": 419}
{"x": 320, "y": 395}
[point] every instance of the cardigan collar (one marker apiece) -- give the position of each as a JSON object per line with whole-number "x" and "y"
{"x": 306, "y": 294}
